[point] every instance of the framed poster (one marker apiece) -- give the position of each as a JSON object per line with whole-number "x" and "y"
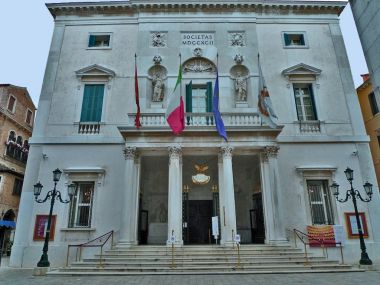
{"x": 41, "y": 225}
{"x": 352, "y": 227}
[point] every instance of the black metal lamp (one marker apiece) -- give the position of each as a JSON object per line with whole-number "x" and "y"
{"x": 52, "y": 195}
{"x": 37, "y": 189}
{"x": 355, "y": 195}
{"x": 57, "y": 175}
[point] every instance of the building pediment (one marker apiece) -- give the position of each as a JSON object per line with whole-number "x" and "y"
{"x": 95, "y": 70}
{"x": 301, "y": 69}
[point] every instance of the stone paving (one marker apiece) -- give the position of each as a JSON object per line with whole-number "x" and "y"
{"x": 10, "y": 276}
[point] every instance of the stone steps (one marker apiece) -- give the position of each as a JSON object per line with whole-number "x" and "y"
{"x": 153, "y": 260}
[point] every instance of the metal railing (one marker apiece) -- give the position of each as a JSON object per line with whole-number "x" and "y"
{"x": 308, "y": 240}
{"x": 97, "y": 242}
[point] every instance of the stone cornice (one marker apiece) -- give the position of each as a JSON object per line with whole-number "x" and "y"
{"x": 117, "y": 7}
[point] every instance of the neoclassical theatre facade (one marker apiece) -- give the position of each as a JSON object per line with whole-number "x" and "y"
{"x": 147, "y": 184}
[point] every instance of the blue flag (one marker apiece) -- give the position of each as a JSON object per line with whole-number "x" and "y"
{"x": 215, "y": 109}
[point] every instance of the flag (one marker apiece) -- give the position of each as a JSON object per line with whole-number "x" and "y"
{"x": 175, "y": 112}
{"x": 264, "y": 103}
{"x": 215, "y": 109}
{"x": 138, "y": 114}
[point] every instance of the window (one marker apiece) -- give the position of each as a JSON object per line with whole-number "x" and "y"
{"x": 99, "y": 41}
{"x": 29, "y": 116}
{"x": 11, "y": 103}
{"x": 294, "y": 39}
{"x": 373, "y": 103}
{"x": 81, "y": 206}
{"x": 92, "y": 103}
{"x": 17, "y": 187}
{"x": 303, "y": 94}
{"x": 320, "y": 202}
{"x": 199, "y": 98}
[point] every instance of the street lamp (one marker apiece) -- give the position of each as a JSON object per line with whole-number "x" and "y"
{"x": 355, "y": 194}
{"x": 53, "y": 195}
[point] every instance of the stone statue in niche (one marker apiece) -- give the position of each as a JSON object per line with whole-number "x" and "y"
{"x": 241, "y": 87}
{"x": 158, "y": 88}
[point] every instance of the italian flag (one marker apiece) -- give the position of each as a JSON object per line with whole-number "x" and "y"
{"x": 175, "y": 112}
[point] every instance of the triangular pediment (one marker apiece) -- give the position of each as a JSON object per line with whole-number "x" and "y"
{"x": 301, "y": 69}
{"x": 95, "y": 71}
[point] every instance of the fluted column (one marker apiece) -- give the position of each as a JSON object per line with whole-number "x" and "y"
{"x": 227, "y": 197}
{"x": 175, "y": 194}
{"x": 129, "y": 208}
{"x": 273, "y": 199}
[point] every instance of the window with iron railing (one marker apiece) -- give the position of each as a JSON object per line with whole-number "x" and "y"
{"x": 81, "y": 206}
{"x": 320, "y": 202}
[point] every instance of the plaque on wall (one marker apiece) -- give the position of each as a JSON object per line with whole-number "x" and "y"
{"x": 197, "y": 39}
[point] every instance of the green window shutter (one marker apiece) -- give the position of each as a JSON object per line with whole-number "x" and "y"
{"x": 92, "y": 103}
{"x": 189, "y": 91}
{"x": 313, "y": 102}
{"x": 302, "y": 38}
{"x": 98, "y": 103}
{"x": 287, "y": 39}
{"x": 91, "y": 41}
{"x": 209, "y": 97}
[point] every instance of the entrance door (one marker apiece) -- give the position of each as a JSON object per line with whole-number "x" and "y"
{"x": 257, "y": 219}
{"x": 199, "y": 222}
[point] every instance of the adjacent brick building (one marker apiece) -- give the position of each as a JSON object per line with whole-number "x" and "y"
{"x": 16, "y": 125}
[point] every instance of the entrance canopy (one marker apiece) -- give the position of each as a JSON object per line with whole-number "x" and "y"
{"x": 7, "y": 224}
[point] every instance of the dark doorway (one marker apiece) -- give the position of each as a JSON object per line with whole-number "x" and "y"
{"x": 143, "y": 227}
{"x": 199, "y": 222}
{"x": 257, "y": 219}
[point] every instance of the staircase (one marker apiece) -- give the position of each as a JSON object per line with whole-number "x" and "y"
{"x": 157, "y": 260}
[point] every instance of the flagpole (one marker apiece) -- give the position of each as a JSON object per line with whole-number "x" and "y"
{"x": 137, "y": 99}
{"x": 180, "y": 66}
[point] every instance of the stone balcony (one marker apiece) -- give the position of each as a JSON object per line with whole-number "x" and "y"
{"x": 199, "y": 120}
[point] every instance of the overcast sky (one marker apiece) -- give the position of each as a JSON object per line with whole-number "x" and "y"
{"x": 26, "y": 28}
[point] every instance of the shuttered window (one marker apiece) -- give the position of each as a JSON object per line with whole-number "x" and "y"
{"x": 320, "y": 202}
{"x": 92, "y": 103}
{"x": 199, "y": 98}
{"x": 305, "y": 105}
{"x": 373, "y": 103}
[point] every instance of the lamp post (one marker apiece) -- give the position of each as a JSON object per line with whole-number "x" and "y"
{"x": 354, "y": 195}
{"x": 52, "y": 195}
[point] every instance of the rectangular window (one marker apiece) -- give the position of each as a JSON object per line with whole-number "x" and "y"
{"x": 29, "y": 116}
{"x": 81, "y": 206}
{"x": 320, "y": 202}
{"x": 303, "y": 94}
{"x": 199, "y": 98}
{"x": 294, "y": 39}
{"x": 373, "y": 103}
{"x": 99, "y": 41}
{"x": 92, "y": 103}
{"x": 17, "y": 187}
{"x": 11, "y": 103}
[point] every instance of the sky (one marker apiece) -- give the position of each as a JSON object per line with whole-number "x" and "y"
{"x": 26, "y": 28}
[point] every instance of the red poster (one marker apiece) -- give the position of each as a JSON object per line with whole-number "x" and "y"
{"x": 321, "y": 236}
{"x": 41, "y": 225}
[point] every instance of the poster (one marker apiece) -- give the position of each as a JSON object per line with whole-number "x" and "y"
{"x": 41, "y": 225}
{"x": 352, "y": 226}
{"x": 321, "y": 236}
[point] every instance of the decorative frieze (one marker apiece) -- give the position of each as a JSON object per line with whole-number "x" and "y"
{"x": 226, "y": 151}
{"x": 130, "y": 153}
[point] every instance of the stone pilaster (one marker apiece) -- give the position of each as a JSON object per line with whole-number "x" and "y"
{"x": 175, "y": 194}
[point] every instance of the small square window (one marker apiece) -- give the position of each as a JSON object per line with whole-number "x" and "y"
{"x": 17, "y": 187}
{"x": 373, "y": 103}
{"x": 294, "y": 39}
{"x": 99, "y": 41}
{"x": 11, "y": 103}
{"x": 29, "y": 115}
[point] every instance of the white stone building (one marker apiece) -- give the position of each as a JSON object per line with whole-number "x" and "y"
{"x": 146, "y": 184}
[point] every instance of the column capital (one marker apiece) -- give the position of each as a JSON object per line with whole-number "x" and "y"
{"x": 271, "y": 151}
{"x": 130, "y": 152}
{"x": 226, "y": 151}
{"x": 175, "y": 152}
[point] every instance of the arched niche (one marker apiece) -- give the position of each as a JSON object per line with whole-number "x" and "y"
{"x": 240, "y": 83}
{"x": 156, "y": 85}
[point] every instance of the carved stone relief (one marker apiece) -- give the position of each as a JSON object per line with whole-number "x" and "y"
{"x": 237, "y": 39}
{"x": 157, "y": 59}
{"x": 238, "y": 58}
{"x": 158, "y": 39}
{"x": 199, "y": 65}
